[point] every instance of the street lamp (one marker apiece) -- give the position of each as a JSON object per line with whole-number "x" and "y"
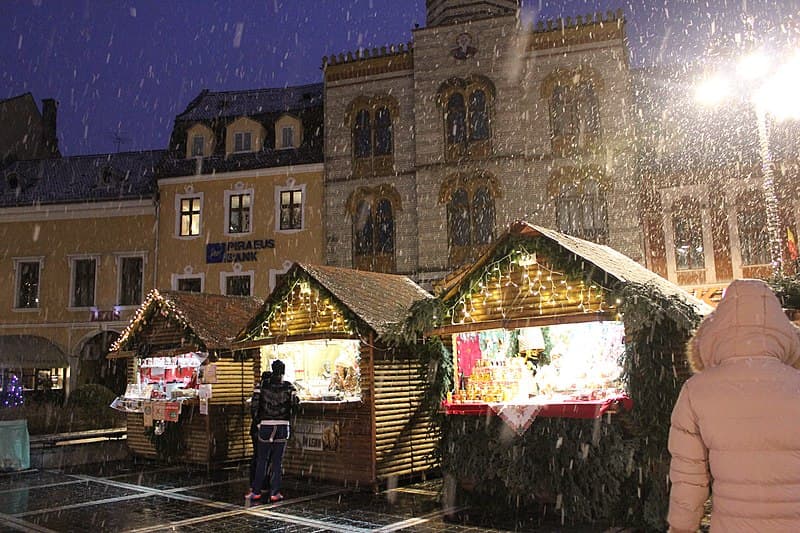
{"x": 768, "y": 90}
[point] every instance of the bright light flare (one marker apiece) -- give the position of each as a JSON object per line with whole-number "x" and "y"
{"x": 778, "y": 96}
{"x": 712, "y": 91}
{"x": 753, "y": 66}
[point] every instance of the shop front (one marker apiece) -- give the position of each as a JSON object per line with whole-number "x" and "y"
{"x": 360, "y": 420}
{"x": 559, "y": 355}
{"x": 187, "y": 392}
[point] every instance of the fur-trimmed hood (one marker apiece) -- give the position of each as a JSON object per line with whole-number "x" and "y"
{"x": 748, "y": 322}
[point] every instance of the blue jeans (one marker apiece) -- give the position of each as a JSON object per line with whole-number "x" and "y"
{"x": 271, "y": 446}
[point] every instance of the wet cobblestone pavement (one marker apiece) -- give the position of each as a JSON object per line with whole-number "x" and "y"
{"x": 148, "y": 497}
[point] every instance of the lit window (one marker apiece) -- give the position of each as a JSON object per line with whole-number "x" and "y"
{"x": 83, "y": 282}
{"x": 242, "y": 141}
{"x": 28, "y": 284}
{"x": 190, "y": 216}
{"x": 287, "y": 134}
{"x": 131, "y": 278}
{"x": 291, "y": 216}
{"x": 239, "y": 213}
{"x": 198, "y": 146}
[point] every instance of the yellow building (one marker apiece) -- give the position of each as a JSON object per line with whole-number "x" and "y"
{"x": 78, "y": 236}
{"x": 241, "y": 191}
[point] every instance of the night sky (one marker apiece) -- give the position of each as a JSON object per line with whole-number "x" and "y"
{"x": 122, "y": 69}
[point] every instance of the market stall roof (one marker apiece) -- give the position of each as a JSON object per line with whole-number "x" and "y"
{"x": 608, "y": 260}
{"x": 380, "y": 300}
{"x": 30, "y": 351}
{"x": 214, "y": 319}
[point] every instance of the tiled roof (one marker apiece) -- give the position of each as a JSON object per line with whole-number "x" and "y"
{"x": 211, "y": 105}
{"x": 380, "y": 300}
{"x": 214, "y": 318}
{"x": 87, "y": 178}
{"x": 176, "y": 164}
{"x": 610, "y": 261}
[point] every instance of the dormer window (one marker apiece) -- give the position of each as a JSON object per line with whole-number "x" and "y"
{"x": 288, "y": 133}
{"x": 242, "y": 141}
{"x": 199, "y": 141}
{"x": 198, "y": 146}
{"x": 244, "y": 135}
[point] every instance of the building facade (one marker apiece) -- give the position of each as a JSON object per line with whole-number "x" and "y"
{"x": 27, "y": 133}
{"x": 434, "y": 145}
{"x": 704, "y": 215}
{"x": 78, "y": 237}
{"x": 240, "y": 192}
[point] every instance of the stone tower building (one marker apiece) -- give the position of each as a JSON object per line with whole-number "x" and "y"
{"x": 433, "y": 148}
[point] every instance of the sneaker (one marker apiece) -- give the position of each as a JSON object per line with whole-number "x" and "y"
{"x": 251, "y": 496}
{"x": 276, "y": 497}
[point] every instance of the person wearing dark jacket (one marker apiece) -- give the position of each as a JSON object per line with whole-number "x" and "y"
{"x": 276, "y": 404}
{"x": 254, "y": 421}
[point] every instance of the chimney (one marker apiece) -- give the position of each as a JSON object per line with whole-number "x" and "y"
{"x": 50, "y": 135}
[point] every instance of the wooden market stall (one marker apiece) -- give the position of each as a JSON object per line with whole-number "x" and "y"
{"x": 187, "y": 389}
{"x": 562, "y": 361}
{"x": 360, "y": 418}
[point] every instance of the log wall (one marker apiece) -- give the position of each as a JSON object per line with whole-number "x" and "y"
{"x": 404, "y": 439}
{"x": 353, "y": 461}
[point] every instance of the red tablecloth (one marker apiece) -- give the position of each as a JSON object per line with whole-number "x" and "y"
{"x": 565, "y": 409}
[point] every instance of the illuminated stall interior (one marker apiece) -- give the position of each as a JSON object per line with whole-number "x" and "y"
{"x": 360, "y": 418}
{"x": 535, "y": 320}
{"x": 185, "y": 380}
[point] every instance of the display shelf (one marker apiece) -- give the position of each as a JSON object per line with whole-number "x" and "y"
{"x": 560, "y": 409}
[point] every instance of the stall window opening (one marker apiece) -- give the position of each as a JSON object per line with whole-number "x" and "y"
{"x": 322, "y": 370}
{"x": 550, "y": 363}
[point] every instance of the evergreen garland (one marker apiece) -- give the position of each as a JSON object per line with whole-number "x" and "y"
{"x": 617, "y": 475}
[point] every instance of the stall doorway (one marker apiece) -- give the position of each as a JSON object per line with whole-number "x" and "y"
{"x": 93, "y": 367}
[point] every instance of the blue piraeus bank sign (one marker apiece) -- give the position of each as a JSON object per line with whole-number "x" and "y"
{"x": 236, "y": 251}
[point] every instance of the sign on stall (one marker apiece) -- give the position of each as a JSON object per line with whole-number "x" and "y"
{"x": 319, "y": 436}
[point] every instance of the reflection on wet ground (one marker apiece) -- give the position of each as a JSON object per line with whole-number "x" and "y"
{"x": 144, "y": 497}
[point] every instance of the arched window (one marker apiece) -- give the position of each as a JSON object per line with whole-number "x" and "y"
{"x": 363, "y": 229}
{"x": 372, "y": 122}
{"x": 751, "y": 223}
{"x": 478, "y": 117}
{"x": 383, "y": 131}
{"x": 482, "y": 216}
{"x": 582, "y": 211}
{"x": 470, "y": 202}
{"x": 458, "y": 219}
{"x": 385, "y": 227}
{"x": 362, "y": 134}
{"x": 373, "y": 211}
{"x": 456, "y": 115}
{"x": 466, "y": 104}
{"x": 574, "y": 110}
{"x": 688, "y": 228}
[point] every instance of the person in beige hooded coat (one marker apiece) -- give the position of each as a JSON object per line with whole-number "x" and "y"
{"x": 736, "y": 424}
